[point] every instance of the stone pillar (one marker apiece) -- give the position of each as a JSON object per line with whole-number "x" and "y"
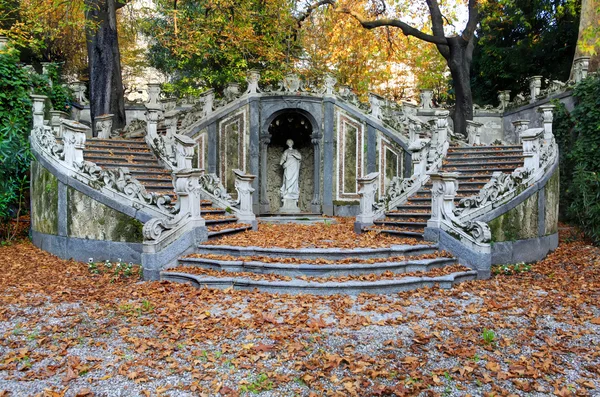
{"x": 39, "y": 102}
{"x": 153, "y": 96}
{"x": 426, "y": 99}
{"x": 441, "y": 124}
{"x": 184, "y": 151}
{"x": 376, "y": 102}
{"x": 208, "y": 100}
{"x": 212, "y": 148}
{"x": 367, "y": 188}
{"x": 535, "y": 86}
{"x": 74, "y": 135}
{"x": 254, "y": 146}
{"x": 265, "y": 206}
{"x": 474, "y": 132}
{"x": 243, "y": 185}
{"x": 503, "y": 98}
{"x": 418, "y": 157}
{"x": 171, "y": 123}
{"x": 55, "y": 117}
{"x": 187, "y": 188}
{"x": 315, "y": 204}
{"x": 414, "y": 130}
{"x": 580, "y": 68}
{"x": 152, "y": 116}
{"x": 330, "y": 83}
{"x": 443, "y": 192}
{"x": 3, "y": 42}
{"x": 104, "y": 125}
{"x": 328, "y": 157}
{"x": 520, "y": 126}
{"x": 547, "y": 118}
{"x": 252, "y": 78}
{"x": 531, "y": 145}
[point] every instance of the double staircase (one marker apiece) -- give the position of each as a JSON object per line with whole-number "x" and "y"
{"x": 136, "y": 156}
{"x": 474, "y": 165}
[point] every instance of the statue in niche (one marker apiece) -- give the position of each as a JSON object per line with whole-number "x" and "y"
{"x": 290, "y": 191}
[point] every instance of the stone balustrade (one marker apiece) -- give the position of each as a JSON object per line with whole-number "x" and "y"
{"x": 104, "y": 124}
{"x": 74, "y": 136}
{"x": 535, "y": 88}
{"x": 55, "y": 117}
{"x": 184, "y": 151}
{"x": 39, "y": 102}
{"x": 547, "y": 118}
{"x": 474, "y": 132}
{"x": 531, "y": 144}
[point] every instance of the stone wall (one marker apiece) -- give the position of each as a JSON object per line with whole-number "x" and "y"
{"x": 44, "y": 200}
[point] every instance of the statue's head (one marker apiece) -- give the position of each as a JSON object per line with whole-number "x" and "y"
{"x": 289, "y": 142}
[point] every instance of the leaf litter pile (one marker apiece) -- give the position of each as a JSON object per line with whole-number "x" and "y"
{"x": 67, "y": 331}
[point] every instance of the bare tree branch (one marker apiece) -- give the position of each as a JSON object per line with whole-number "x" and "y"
{"x": 437, "y": 22}
{"x": 472, "y": 22}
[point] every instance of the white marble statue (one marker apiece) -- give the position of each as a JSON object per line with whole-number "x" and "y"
{"x": 290, "y": 191}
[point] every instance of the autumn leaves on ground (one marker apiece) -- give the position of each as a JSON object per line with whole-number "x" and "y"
{"x": 70, "y": 329}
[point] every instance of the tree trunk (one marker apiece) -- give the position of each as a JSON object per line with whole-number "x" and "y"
{"x": 104, "y": 58}
{"x": 587, "y": 39}
{"x": 459, "y": 55}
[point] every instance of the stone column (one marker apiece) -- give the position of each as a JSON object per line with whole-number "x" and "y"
{"x": 535, "y": 86}
{"x": 254, "y": 146}
{"x": 520, "y": 126}
{"x": 367, "y": 188}
{"x": 104, "y": 125}
{"x": 187, "y": 188}
{"x": 184, "y": 151}
{"x": 152, "y": 116}
{"x": 153, "y": 96}
{"x": 74, "y": 135}
{"x": 252, "y": 78}
{"x": 243, "y": 185}
{"x": 443, "y": 192}
{"x": 547, "y": 118}
{"x": 265, "y": 206}
{"x": 531, "y": 145}
{"x": 376, "y": 101}
{"x": 450, "y": 181}
{"x": 474, "y": 132}
{"x": 39, "y": 102}
{"x": 418, "y": 157}
{"x": 316, "y": 200}
{"x": 328, "y": 157}
{"x": 504, "y": 98}
{"x": 426, "y": 97}
{"x": 442, "y": 126}
{"x": 55, "y": 116}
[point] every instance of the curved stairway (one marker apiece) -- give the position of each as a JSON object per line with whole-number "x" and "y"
{"x": 136, "y": 156}
{"x": 475, "y": 166}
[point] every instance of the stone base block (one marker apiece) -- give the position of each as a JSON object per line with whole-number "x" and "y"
{"x": 289, "y": 207}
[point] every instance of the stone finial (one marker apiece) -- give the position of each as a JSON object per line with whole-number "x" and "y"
{"x": 531, "y": 145}
{"x": 3, "y": 42}
{"x": 243, "y": 185}
{"x": 426, "y": 99}
{"x": 153, "y": 96}
{"x": 535, "y": 87}
{"x": 580, "y": 68}
{"x": 441, "y": 127}
{"x": 474, "y": 132}
{"x": 504, "y": 99}
{"x": 376, "y": 102}
{"x": 74, "y": 136}
{"x": 184, "y": 151}
{"x": 39, "y": 103}
{"x": 367, "y": 188}
{"x": 252, "y": 78}
{"x": 547, "y": 118}
{"x": 103, "y": 125}
{"x": 208, "y": 100}
{"x": 330, "y": 83}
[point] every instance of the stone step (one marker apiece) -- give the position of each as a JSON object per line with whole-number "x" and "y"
{"x": 219, "y": 221}
{"x": 408, "y": 215}
{"x": 159, "y": 178}
{"x": 456, "y": 153}
{"x": 112, "y": 153}
{"x": 414, "y": 206}
{"x": 297, "y": 286}
{"x": 403, "y": 233}
{"x": 479, "y": 171}
{"x": 404, "y": 224}
{"x": 136, "y": 160}
{"x": 320, "y": 270}
{"x": 484, "y": 165}
{"x": 461, "y": 190}
{"x": 316, "y": 253}
{"x": 140, "y": 141}
{"x": 120, "y": 146}
{"x": 219, "y": 233}
{"x": 453, "y": 160}
{"x": 213, "y": 211}
{"x": 132, "y": 167}
{"x": 471, "y": 149}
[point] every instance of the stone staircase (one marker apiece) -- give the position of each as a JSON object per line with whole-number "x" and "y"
{"x": 135, "y": 155}
{"x": 323, "y": 271}
{"x": 475, "y": 166}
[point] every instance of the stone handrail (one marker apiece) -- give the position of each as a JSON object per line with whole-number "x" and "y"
{"x": 212, "y": 189}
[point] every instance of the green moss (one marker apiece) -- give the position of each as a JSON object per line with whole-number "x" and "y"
{"x": 128, "y": 229}
{"x": 552, "y": 192}
{"x": 517, "y": 224}
{"x": 44, "y": 200}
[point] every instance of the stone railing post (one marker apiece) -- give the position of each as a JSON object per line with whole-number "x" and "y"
{"x": 443, "y": 192}
{"x": 252, "y": 78}
{"x": 208, "y": 100}
{"x": 104, "y": 124}
{"x": 171, "y": 124}
{"x": 419, "y": 154}
{"x": 243, "y": 185}
{"x": 330, "y": 83}
{"x": 39, "y": 103}
{"x": 187, "y": 188}
{"x": 503, "y": 98}
{"x": 531, "y": 146}
{"x": 376, "y": 101}
{"x": 409, "y": 109}
{"x": 3, "y": 42}
{"x": 152, "y": 117}
{"x": 153, "y": 96}
{"x": 441, "y": 125}
{"x": 547, "y": 118}
{"x": 55, "y": 116}
{"x": 474, "y": 132}
{"x": 184, "y": 151}
{"x": 520, "y": 126}
{"x": 74, "y": 135}
{"x": 535, "y": 87}
{"x": 426, "y": 99}
{"x": 168, "y": 104}
{"x": 367, "y": 188}
{"x": 581, "y": 66}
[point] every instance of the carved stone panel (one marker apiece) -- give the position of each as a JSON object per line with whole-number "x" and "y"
{"x": 232, "y": 147}
{"x": 350, "y": 154}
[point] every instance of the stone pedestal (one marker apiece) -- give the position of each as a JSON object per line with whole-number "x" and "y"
{"x": 290, "y": 207}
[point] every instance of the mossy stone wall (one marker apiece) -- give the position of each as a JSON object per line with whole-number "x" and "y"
{"x": 44, "y": 200}
{"x": 552, "y": 191}
{"x": 520, "y": 223}
{"x": 90, "y": 219}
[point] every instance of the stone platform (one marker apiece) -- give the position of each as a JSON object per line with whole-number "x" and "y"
{"x": 301, "y": 218}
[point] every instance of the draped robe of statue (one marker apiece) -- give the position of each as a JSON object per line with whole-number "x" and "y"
{"x": 290, "y": 190}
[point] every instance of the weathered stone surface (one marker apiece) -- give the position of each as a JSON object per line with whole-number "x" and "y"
{"x": 90, "y": 219}
{"x": 519, "y": 223}
{"x": 275, "y": 177}
{"x": 44, "y": 200}
{"x": 552, "y": 190}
